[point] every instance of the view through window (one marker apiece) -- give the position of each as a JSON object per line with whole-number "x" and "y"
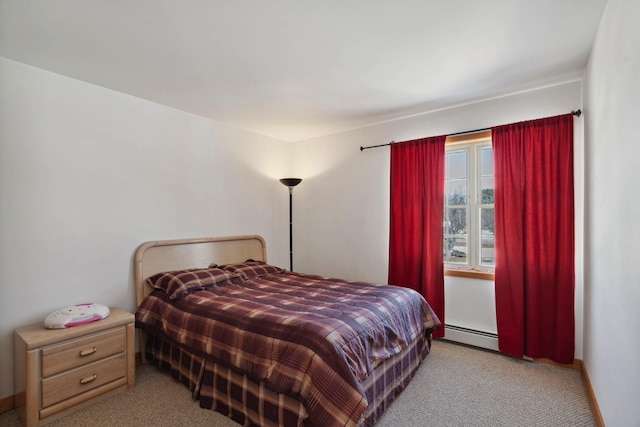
{"x": 469, "y": 212}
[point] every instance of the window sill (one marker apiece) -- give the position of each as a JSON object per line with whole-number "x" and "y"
{"x": 472, "y": 273}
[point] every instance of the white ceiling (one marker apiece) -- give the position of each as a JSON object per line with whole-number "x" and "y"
{"x": 295, "y": 69}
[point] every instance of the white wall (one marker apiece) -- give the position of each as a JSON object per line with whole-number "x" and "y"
{"x": 87, "y": 174}
{"x": 470, "y": 303}
{"x": 342, "y": 206}
{"x": 612, "y": 288}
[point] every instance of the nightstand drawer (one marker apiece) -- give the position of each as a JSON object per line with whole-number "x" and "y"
{"x": 58, "y": 358}
{"x": 63, "y": 386}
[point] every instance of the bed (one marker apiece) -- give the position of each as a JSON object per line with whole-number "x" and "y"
{"x": 269, "y": 347}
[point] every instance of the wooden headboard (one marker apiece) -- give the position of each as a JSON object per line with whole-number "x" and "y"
{"x": 167, "y": 255}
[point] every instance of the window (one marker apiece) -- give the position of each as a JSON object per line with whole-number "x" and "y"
{"x": 468, "y": 212}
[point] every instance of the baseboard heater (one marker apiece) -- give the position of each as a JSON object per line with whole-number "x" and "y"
{"x": 472, "y": 337}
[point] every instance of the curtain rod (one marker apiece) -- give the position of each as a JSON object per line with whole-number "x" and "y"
{"x": 576, "y": 113}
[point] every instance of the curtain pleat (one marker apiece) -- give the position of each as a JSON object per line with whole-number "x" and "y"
{"x": 417, "y": 206}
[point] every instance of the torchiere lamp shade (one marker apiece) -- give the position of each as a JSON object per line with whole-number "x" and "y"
{"x": 291, "y": 182}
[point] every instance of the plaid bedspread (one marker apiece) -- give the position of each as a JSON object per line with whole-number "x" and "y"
{"x": 310, "y": 337}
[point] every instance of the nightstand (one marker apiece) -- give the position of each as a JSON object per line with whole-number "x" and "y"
{"x": 58, "y": 371}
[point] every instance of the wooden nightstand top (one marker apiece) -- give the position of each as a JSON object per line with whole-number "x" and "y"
{"x": 36, "y": 335}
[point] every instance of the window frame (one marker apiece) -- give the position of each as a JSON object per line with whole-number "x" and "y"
{"x": 474, "y": 141}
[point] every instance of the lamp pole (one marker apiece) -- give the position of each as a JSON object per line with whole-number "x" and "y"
{"x": 291, "y": 182}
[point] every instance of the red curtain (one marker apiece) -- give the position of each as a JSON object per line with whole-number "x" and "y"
{"x": 417, "y": 205}
{"x": 534, "y": 246}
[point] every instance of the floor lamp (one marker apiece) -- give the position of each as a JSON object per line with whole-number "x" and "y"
{"x": 291, "y": 182}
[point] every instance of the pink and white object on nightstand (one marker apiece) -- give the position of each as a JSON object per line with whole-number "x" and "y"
{"x": 74, "y": 315}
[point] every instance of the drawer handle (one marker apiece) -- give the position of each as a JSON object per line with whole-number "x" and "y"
{"x": 88, "y": 352}
{"x": 88, "y": 379}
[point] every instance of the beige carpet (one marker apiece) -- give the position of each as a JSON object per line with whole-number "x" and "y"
{"x": 455, "y": 386}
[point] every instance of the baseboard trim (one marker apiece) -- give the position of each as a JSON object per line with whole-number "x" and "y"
{"x": 7, "y": 404}
{"x": 595, "y": 409}
{"x": 576, "y": 365}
